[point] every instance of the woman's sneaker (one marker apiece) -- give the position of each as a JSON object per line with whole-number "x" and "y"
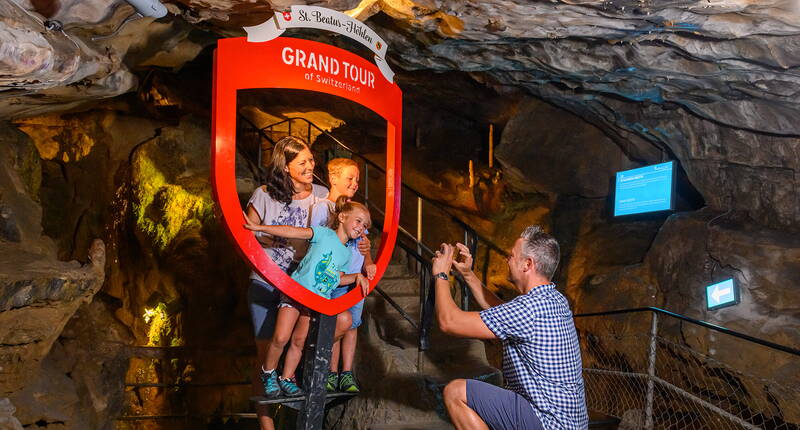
{"x": 347, "y": 383}
{"x": 289, "y": 387}
{"x": 332, "y": 384}
{"x": 270, "y": 381}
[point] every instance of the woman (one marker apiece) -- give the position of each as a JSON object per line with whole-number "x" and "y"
{"x": 285, "y": 199}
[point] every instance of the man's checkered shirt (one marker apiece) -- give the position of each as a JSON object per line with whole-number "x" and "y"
{"x": 541, "y": 355}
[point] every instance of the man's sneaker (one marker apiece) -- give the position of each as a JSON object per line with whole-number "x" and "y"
{"x": 289, "y": 387}
{"x": 347, "y": 383}
{"x": 332, "y": 384}
{"x": 270, "y": 381}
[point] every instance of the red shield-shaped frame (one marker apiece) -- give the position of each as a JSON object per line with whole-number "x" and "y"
{"x": 239, "y": 64}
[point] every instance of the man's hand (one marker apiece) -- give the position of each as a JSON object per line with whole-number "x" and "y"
{"x": 443, "y": 259}
{"x": 370, "y": 270}
{"x": 364, "y": 245}
{"x": 363, "y": 283}
{"x": 465, "y": 266}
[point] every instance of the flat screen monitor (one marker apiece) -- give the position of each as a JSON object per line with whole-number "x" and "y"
{"x": 646, "y": 189}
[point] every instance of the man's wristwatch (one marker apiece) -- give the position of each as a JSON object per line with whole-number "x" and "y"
{"x": 442, "y": 275}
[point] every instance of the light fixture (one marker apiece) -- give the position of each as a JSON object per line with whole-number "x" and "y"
{"x": 151, "y": 8}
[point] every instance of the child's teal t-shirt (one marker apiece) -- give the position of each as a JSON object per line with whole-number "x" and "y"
{"x": 326, "y": 258}
{"x": 320, "y": 215}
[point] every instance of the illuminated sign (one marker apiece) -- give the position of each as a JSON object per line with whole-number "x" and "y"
{"x": 305, "y": 65}
{"x": 646, "y": 189}
{"x": 722, "y": 294}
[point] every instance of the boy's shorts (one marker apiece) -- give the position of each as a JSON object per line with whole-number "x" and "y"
{"x": 357, "y": 308}
{"x": 501, "y": 409}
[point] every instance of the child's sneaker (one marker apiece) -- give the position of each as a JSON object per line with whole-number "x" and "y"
{"x": 332, "y": 384}
{"x": 289, "y": 387}
{"x": 347, "y": 383}
{"x": 270, "y": 381}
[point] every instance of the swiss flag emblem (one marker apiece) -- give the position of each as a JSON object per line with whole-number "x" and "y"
{"x": 287, "y": 16}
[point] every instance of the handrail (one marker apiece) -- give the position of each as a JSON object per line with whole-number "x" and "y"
{"x": 416, "y": 193}
{"x": 255, "y": 127}
{"x": 705, "y": 324}
{"x": 426, "y": 292}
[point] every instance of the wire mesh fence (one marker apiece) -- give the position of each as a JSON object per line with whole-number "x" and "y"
{"x": 638, "y": 372}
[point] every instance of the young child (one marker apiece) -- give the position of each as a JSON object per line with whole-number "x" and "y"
{"x": 343, "y": 176}
{"x": 321, "y": 272}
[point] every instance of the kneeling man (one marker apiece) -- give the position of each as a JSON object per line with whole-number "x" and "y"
{"x": 541, "y": 354}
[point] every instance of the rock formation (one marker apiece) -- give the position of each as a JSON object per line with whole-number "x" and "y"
{"x": 110, "y": 134}
{"x": 38, "y": 293}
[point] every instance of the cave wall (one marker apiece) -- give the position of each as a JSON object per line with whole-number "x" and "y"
{"x": 575, "y": 91}
{"x": 138, "y": 179}
{"x": 39, "y": 294}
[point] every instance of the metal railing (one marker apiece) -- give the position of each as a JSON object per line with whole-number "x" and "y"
{"x": 169, "y": 397}
{"x": 648, "y": 380}
{"x": 414, "y": 245}
{"x": 422, "y": 201}
{"x": 644, "y": 379}
{"x": 633, "y": 372}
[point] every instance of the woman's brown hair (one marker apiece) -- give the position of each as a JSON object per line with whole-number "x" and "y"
{"x": 277, "y": 180}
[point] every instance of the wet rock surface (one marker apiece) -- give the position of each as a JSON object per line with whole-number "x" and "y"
{"x": 38, "y": 293}
{"x": 540, "y": 152}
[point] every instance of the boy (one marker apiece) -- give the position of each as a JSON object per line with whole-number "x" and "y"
{"x": 343, "y": 176}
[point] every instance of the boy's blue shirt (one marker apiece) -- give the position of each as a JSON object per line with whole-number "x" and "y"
{"x": 319, "y": 271}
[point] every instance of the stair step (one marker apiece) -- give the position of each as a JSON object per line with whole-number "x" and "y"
{"x": 394, "y": 270}
{"x": 400, "y": 286}
{"x": 378, "y": 306}
{"x": 396, "y": 393}
{"x": 426, "y": 425}
{"x": 297, "y": 401}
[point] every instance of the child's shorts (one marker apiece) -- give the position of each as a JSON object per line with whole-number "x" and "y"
{"x": 357, "y": 308}
{"x": 288, "y": 302}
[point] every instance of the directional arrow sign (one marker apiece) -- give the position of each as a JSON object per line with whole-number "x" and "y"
{"x": 722, "y": 294}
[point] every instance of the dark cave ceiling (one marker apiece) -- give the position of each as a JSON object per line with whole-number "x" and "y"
{"x": 712, "y": 83}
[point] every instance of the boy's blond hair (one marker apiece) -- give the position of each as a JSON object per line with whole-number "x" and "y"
{"x": 337, "y": 165}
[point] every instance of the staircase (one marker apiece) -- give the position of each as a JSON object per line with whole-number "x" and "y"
{"x": 401, "y": 387}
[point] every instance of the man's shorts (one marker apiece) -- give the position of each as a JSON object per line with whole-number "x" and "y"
{"x": 501, "y": 409}
{"x": 357, "y": 308}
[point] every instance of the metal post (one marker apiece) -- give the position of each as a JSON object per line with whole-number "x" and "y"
{"x": 316, "y": 361}
{"x": 471, "y": 242}
{"x": 419, "y": 226}
{"x": 260, "y": 150}
{"x": 651, "y": 372}
{"x": 464, "y": 296}
{"x": 366, "y": 182}
{"x": 427, "y": 297}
